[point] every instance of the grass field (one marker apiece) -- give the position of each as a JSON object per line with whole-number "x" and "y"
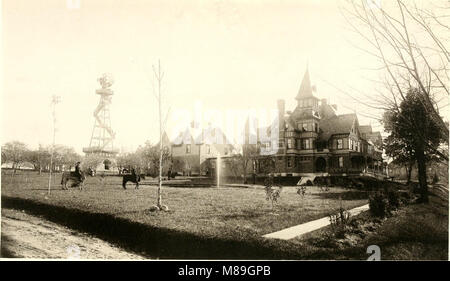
{"x": 415, "y": 232}
{"x": 237, "y": 214}
{"x": 206, "y": 211}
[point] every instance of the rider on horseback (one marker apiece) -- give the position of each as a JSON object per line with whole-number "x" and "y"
{"x": 78, "y": 170}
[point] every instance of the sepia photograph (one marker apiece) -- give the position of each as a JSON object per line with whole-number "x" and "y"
{"x": 225, "y": 130}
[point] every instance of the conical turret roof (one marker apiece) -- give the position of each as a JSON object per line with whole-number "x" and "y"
{"x": 305, "y": 90}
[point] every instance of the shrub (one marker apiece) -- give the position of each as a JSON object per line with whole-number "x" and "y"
{"x": 339, "y": 221}
{"x": 272, "y": 194}
{"x": 378, "y": 205}
{"x": 435, "y": 178}
{"x": 393, "y": 199}
{"x": 301, "y": 191}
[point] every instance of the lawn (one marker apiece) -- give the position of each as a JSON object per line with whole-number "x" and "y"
{"x": 207, "y": 211}
{"x": 239, "y": 214}
{"x": 414, "y": 232}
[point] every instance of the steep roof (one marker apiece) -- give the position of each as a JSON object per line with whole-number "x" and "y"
{"x": 165, "y": 140}
{"x": 305, "y": 90}
{"x": 327, "y": 111}
{"x": 215, "y": 133}
{"x": 183, "y": 137}
{"x": 367, "y": 129}
{"x": 203, "y": 137}
{"x": 339, "y": 124}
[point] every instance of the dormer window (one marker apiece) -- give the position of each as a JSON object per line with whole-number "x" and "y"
{"x": 339, "y": 144}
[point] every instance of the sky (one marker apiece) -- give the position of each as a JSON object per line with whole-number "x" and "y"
{"x": 217, "y": 54}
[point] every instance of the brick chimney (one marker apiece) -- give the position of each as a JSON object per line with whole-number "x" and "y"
{"x": 281, "y": 112}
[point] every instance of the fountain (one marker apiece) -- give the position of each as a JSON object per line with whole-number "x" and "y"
{"x": 218, "y": 169}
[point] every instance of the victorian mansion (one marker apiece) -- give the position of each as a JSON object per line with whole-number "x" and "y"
{"x": 313, "y": 138}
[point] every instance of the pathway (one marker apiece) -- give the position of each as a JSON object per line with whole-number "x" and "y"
{"x": 295, "y": 231}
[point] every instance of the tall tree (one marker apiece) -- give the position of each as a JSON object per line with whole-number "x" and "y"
{"x": 14, "y": 152}
{"x": 414, "y": 133}
{"x": 92, "y": 161}
{"x": 40, "y": 158}
{"x": 150, "y": 158}
{"x": 410, "y": 43}
{"x": 159, "y": 75}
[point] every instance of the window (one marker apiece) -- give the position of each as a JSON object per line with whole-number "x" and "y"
{"x": 306, "y": 143}
{"x": 226, "y": 151}
{"x": 266, "y": 145}
{"x": 341, "y": 162}
{"x": 208, "y": 149}
{"x": 289, "y": 163}
{"x": 314, "y": 127}
{"x": 188, "y": 148}
{"x": 305, "y": 127}
{"x": 290, "y": 143}
{"x": 339, "y": 144}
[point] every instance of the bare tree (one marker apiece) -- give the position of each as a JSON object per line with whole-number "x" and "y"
{"x": 40, "y": 158}
{"x": 159, "y": 75}
{"x": 15, "y": 152}
{"x": 92, "y": 161}
{"x": 55, "y": 101}
{"x": 410, "y": 43}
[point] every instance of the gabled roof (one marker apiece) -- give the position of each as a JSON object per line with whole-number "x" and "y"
{"x": 165, "y": 140}
{"x": 205, "y": 136}
{"x": 327, "y": 111}
{"x": 367, "y": 129}
{"x": 212, "y": 136}
{"x": 183, "y": 137}
{"x": 339, "y": 124}
{"x": 305, "y": 90}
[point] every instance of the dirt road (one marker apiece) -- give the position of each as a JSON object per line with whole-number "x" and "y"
{"x": 26, "y": 236}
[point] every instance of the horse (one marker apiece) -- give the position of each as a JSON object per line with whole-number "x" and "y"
{"x": 78, "y": 180}
{"x": 133, "y": 177}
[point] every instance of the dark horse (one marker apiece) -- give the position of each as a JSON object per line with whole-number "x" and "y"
{"x": 77, "y": 179}
{"x": 136, "y": 178}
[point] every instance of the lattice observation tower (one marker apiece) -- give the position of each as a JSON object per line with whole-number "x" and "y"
{"x": 102, "y": 137}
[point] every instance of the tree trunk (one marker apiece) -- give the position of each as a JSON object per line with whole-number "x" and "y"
{"x": 245, "y": 170}
{"x": 422, "y": 174}
{"x": 409, "y": 172}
